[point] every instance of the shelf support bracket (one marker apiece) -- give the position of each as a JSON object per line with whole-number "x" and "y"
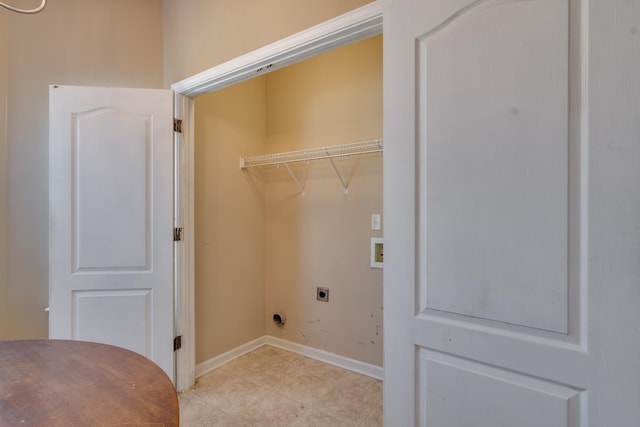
{"x": 344, "y": 186}
{"x": 295, "y": 179}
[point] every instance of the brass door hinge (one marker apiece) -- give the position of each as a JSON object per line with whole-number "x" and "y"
{"x": 177, "y": 125}
{"x": 177, "y": 343}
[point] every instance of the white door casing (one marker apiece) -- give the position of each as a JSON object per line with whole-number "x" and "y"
{"x": 184, "y": 249}
{"x": 511, "y": 204}
{"x": 111, "y": 218}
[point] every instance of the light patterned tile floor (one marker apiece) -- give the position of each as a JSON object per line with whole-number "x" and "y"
{"x": 272, "y": 387}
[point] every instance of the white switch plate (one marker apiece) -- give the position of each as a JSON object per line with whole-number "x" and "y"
{"x": 375, "y": 222}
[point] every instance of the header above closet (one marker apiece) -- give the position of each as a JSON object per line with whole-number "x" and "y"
{"x": 314, "y": 154}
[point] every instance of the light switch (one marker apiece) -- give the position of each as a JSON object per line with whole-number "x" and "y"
{"x": 375, "y": 222}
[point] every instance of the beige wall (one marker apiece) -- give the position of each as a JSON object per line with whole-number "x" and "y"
{"x": 202, "y": 33}
{"x": 323, "y": 238}
{"x": 80, "y": 42}
{"x": 257, "y": 238}
{"x": 229, "y": 219}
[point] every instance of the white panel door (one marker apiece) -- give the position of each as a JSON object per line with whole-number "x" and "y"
{"x": 512, "y": 163}
{"x": 111, "y": 213}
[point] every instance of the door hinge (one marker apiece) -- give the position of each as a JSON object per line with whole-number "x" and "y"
{"x": 177, "y": 343}
{"x": 177, "y": 125}
{"x": 177, "y": 234}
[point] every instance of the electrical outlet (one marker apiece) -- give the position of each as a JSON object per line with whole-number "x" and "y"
{"x": 322, "y": 294}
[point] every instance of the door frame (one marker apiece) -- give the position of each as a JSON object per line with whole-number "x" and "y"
{"x": 350, "y": 27}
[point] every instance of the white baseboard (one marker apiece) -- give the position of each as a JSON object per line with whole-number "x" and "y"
{"x": 357, "y": 366}
{"x": 326, "y": 357}
{"x": 217, "y": 361}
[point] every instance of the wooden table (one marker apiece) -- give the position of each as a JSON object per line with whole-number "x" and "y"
{"x": 75, "y": 383}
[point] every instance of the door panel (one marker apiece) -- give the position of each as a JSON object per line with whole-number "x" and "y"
{"x": 495, "y": 146}
{"x": 111, "y": 208}
{"x": 93, "y": 317}
{"x": 491, "y": 396}
{"x": 111, "y": 218}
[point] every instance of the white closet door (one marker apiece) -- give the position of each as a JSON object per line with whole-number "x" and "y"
{"x": 111, "y": 213}
{"x": 512, "y": 213}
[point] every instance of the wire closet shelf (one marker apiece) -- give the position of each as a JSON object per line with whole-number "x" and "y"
{"x": 343, "y": 150}
{"x": 313, "y": 154}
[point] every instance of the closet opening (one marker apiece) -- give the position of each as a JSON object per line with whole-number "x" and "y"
{"x": 287, "y": 200}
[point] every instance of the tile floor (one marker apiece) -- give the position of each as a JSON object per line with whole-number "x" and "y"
{"x": 273, "y": 387}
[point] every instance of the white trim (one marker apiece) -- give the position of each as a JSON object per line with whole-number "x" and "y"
{"x": 217, "y": 361}
{"x": 353, "y": 365}
{"x": 184, "y": 250}
{"x": 358, "y": 24}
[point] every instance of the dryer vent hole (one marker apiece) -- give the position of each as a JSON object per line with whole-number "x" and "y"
{"x": 279, "y": 319}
